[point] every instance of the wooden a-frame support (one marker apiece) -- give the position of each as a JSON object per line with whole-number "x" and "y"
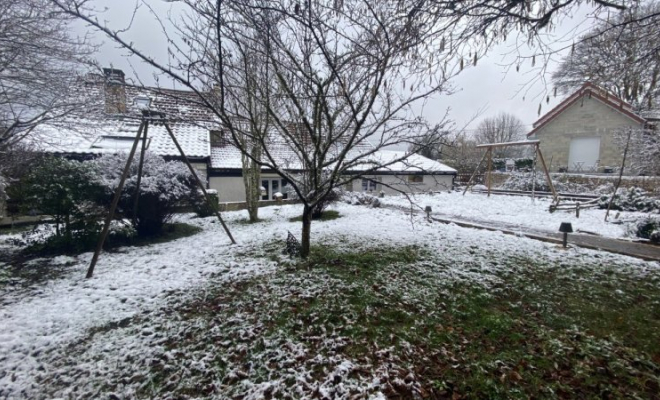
{"x": 489, "y": 156}
{"x": 142, "y": 131}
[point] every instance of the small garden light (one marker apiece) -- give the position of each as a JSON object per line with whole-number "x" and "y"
{"x": 565, "y": 228}
{"x": 428, "y": 210}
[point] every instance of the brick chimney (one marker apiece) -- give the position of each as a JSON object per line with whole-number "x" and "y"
{"x": 115, "y": 91}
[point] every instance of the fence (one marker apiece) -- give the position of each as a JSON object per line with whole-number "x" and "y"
{"x": 463, "y": 179}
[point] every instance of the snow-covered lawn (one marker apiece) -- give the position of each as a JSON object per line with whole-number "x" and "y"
{"x": 197, "y": 317}
{"x": 517, "y": 212}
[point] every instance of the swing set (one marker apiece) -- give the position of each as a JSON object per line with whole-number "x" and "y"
{"x": 148, "y": 117}
{"x": 489, "y": 157}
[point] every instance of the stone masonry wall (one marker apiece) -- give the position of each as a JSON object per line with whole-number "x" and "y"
{"x": 588, "y": 117}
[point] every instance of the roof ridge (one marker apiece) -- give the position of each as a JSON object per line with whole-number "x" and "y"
{"x": 609, "y": 98}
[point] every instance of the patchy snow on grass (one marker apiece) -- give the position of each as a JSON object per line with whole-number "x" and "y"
{"x": 518, "y": 212}
{"x": 148, "y": 309}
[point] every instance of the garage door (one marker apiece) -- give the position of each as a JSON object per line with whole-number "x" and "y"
{"x": 584, "y": 154}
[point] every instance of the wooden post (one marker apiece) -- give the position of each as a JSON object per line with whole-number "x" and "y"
{"x": 536, "y": 156}
{"x": 490, "y": 167}
{"x": 475, "y": 172}
{"x": 547, "y": 175}
{"x": 113, "y": 206}
{"x": 618, "y": 182}
{"x": 213, "y": 206}
{"x": 139, "y": 175}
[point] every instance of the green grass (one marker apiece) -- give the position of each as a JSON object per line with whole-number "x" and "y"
{"x": 549, "y": 331}
{"x": 538, "y": 330}
{"x": 328, "y": 215}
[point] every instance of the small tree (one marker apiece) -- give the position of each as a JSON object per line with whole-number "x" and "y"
{"x": 165, "y": 186}
{"x": 62, "y": 189}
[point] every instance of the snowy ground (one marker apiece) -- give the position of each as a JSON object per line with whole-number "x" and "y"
{"x": 520, "y": 212}
{"x": 104, "y": 337}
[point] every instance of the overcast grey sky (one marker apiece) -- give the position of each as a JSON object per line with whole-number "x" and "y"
{"x": 487, "y": 87}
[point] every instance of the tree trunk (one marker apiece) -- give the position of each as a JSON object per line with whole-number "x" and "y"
{"x": 306, "y": 231}
{"x": 252, "y": 182}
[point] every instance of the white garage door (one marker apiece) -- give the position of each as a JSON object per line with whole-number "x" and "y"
{"x": 584, "y": 154}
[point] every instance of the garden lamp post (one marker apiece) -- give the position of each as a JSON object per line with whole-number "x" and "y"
{"x": 428, "y": 211}
{"x": 565, "y": 228}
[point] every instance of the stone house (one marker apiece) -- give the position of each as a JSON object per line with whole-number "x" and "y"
{"x": 579, "y": 134}
{"x": 115, "y": 119}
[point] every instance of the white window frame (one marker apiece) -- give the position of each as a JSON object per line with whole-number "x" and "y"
{"x": 369, "y": 185}
{"x": 269, "y": 188}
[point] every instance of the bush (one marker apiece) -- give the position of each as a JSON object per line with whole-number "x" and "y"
{"x": 520, "y": 163}
{"x": 633, "y": 199}
{"x": 525, "y": 182}
{"x": 361, "y": 198}
{"x": 332, "y": 197}
{"x": 43, "y": 242}
{"x": 648, "y": 228}
{"x": 67, "y": 191}
{"x": 202, "y": 207}
{"x": 165, "y": 187}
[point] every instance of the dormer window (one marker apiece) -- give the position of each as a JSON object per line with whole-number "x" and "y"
{"x": 116, "y": 142}
{"x": 218, "y": 138}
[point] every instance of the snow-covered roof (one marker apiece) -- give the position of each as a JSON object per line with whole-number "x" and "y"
{"x": 112, "y": 135}
{"x": 228, "y": 157}
{"x": 412, "y": 163}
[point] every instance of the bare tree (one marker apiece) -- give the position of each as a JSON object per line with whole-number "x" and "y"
{"x": 251, "y": 120}
{"x": 39, "y": 66}
{"x": 502, "y": 128}
{"x": 643, "y": 150}
{"x": 621, "y": 54}
{"x": 346, "y": 73}
{"x": 461, "y": 153}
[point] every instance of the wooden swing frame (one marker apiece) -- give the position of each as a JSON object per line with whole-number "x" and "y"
{"x": 148, "y": 117}
{"x": 489, "y": 156}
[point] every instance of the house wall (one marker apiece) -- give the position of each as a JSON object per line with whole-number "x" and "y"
{"x": 399, "y": 183}
{"x": 588, "y": 117}
{"x": 231, "y": 188}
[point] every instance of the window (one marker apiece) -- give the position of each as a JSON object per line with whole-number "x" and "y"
{"x": 416, "y": 178}
{"x": 368, "y": 185}
{"x": 273, "y": 186}
{"x": 218, "y": 139}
